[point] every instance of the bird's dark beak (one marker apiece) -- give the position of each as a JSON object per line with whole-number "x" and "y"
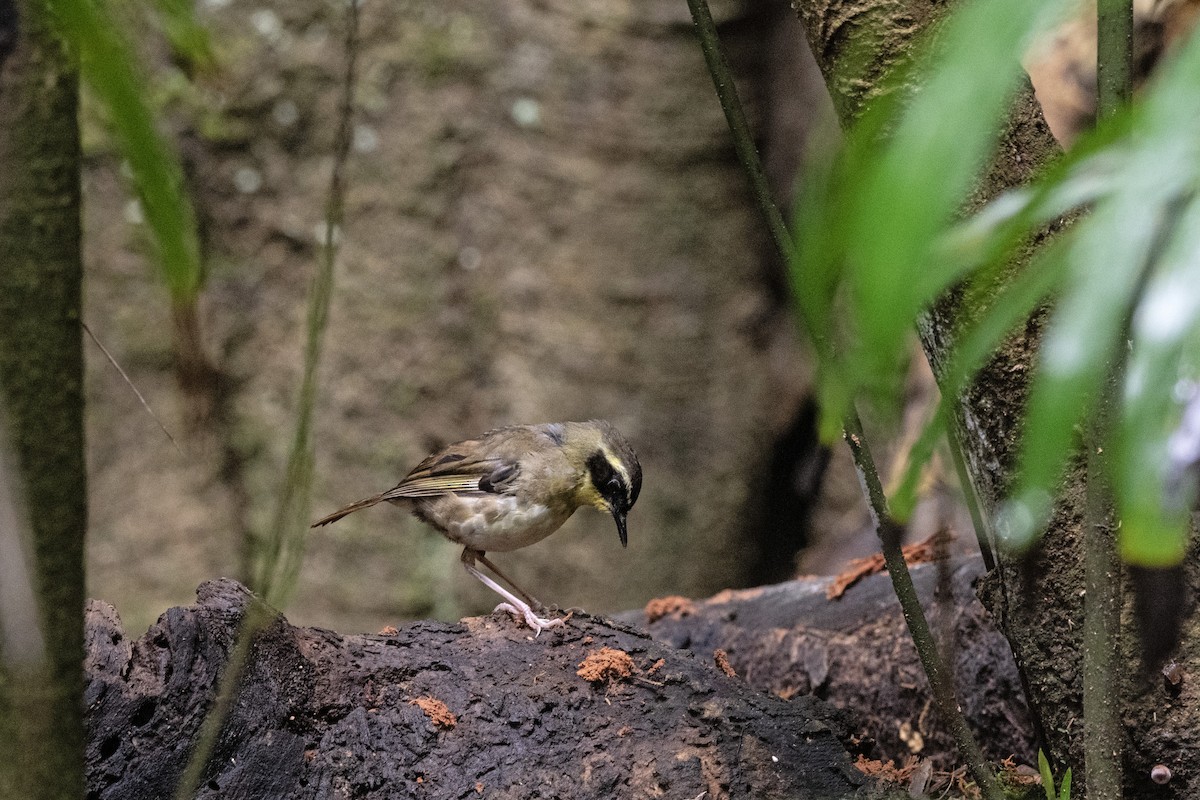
{"x": 622, "y": 530}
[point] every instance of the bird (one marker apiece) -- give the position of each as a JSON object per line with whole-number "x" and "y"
{"x": 514, "y": 486}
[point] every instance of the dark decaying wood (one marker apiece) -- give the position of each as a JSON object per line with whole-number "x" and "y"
{"x": 855, "y": 652}
{"x": 325, "y": 715}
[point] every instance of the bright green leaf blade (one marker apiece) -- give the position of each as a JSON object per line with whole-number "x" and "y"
{"x": 107, "y": 64}
{"x": 990, "y": 235}
{"x": 1106, "y": 260}
{"x": 875, "y": 213}
{"x": 1004, "y": 311}
{"x": 1047, "y": 776}
{"x": 1113, "y": 249}
{"x": 1165, "y": 327}
{"x": 1083, "y": 176}
{"x": 928, "y": 168}
{"x": 903, "y": 500}
{"x": 1154, "y": 530}
{"x": 815, "y": 268}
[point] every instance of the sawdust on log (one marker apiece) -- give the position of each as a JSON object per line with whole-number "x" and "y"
{"x": 441, "y": 716}
{"x": 606, "y": 665}
{"x": 660, "y": 607}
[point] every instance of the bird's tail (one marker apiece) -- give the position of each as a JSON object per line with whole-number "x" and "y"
{"x": 350, "y": 509}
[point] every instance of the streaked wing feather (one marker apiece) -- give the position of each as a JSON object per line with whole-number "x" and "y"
{"x": 434, "y": 485}
{"x": 453, "y": 470}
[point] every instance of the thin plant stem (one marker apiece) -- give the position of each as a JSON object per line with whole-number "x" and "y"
{"x": 889, "y": 530}
{"x": 1102, "y": 736}
{"x": 280, "y": 564}
{"x": 1114, "y": 56}
{"x": 941, "y": 680}
{"x": 132, "y": 387}
{"x": 1102, "y": 740}
{"x": 285, "y": 548}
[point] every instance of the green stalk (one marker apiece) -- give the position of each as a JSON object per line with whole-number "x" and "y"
{"x": 41, "y": 383}
{"x": 889, "y": 530}
{"x": 1114, "y": 56}
{"x": 280, "y": 564}
{"x": 941, "y": 680}
{"x": 1102, "y": 735}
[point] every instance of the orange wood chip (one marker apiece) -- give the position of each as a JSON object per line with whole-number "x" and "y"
{"x": 886, "y": 770}
{"x": 660, "y": 607}
{"x": 605, "y": 665}
{"x": 856, "y": 570}
{"x": 436, "y": 710}
{"x": 920, "y": 553}
{"x": 722, "y": 660}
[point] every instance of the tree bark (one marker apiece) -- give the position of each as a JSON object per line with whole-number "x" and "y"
{"x": 856, "y": 653}
{"x": 1037, "y": 600}
{"x": 478, "y": 708}
{"x": 41, "y": 383}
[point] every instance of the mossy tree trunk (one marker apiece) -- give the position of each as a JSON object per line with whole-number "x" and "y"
{"x": 41, "y": 375}
{"x": 1038, "y": 601}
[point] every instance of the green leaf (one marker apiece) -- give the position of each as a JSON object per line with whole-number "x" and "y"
{"x": 1112, "y": 251}
{"x": 107, "y": 64}
{"x": 903, "y": 500}
{"x": 1165, "y": 328}
{"x": 1047, "y": 776}
{"x": 991, "y": 235}
{"x": 918, "y": 186}
{"x": 1154, "y": 530}
{"x": 869, "y": 224}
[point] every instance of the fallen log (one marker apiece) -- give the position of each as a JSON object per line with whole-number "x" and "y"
{"x": 479, "y": 708}
{"x": 792, "y": 640}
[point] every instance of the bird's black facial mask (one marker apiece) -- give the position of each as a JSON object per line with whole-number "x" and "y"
{"x": 612, "y": 488}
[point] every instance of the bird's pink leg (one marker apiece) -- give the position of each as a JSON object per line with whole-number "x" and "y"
{"x": 515, "y": 606}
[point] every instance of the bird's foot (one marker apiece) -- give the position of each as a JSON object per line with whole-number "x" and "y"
{"x": 523, "y": 611}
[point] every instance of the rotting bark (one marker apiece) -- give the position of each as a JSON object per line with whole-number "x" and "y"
{"x": 1037, "y": 600}
{"x": 855, "y": 652}
{"x": 477, "y": 708}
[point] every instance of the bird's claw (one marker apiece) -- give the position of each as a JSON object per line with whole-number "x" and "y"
{"x": 538, "y": 624}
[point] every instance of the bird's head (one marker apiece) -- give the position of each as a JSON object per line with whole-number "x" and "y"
{"x": 610, "y": 475}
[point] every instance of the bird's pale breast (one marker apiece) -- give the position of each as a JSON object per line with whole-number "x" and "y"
{"x": 491, "y": 522}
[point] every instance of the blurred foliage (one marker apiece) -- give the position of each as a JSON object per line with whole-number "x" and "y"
{"x": 108, "y": 65}
{"x": 189, "y": 39}
{"x": 880, "y": 234}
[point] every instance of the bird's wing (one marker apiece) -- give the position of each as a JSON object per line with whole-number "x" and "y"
{"x": 454, "y": 470}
